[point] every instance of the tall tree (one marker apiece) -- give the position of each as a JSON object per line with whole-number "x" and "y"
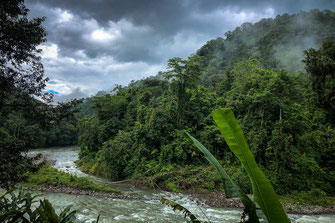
{"x": 183, "y": 74}
{"x": 320, "y": 64}
{"x": 21, "y": 80}
{"x": 21, "y": 70}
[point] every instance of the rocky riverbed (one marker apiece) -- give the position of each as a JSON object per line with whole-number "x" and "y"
{"x": 79, "y": 191}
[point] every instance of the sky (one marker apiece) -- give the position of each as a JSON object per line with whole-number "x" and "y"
{"x": 94, "y": 45}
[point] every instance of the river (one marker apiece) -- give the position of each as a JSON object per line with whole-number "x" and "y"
{"x": 147, "y": 209}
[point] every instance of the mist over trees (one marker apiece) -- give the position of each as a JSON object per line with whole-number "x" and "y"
{"x": 281, "y": 94}
{"x": 277, "y": 75}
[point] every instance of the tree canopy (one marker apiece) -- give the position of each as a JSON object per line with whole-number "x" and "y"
{"x": 138, "y": 130}
{"x": 320, "y": 64}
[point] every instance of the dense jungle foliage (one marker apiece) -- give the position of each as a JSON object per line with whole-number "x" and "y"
{"x": 27, "y": 119}
{"x": 281, "y": 90}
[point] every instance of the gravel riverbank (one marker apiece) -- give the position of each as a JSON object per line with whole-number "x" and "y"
{"x": 79, "y": 191}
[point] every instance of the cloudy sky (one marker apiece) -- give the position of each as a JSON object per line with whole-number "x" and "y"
{"x": 95, "y": 44}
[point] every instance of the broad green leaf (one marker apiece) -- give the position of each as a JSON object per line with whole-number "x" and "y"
{"x": 230, "y": 188}
{"x": 264, "y": 194}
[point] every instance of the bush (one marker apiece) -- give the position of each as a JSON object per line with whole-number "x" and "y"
{"x": 51, "y": 176}
{"x": 20, "y": 208}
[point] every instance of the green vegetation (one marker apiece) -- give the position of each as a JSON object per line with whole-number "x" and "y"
{"x": 25, "y": 121}
{"x": 50, "y": 176}
{"x": 314, "y": 196}
{"x": 202, "y": 178}
{"x": 263, "y": 192}
{"x": 185, "y": 211}
{"x": 277, "y": 76}
{"x": 21, "y": 208}
{"x": 137, "y": 131}
{"x": 196, "y": 178}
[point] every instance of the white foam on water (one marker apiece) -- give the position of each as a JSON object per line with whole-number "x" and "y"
{"x": 147, "y": 209}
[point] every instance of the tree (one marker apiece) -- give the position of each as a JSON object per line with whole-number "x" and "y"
{"x": 21, "y": 81}
{"x": 274, "y": 102}
{"x": 320, "y": 64}
{"x": 184, "y": 74}
{"x": 21, "y": 70}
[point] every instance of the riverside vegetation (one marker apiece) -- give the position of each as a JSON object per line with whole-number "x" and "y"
{"x": 263, "y": 193}
{"x": 21, "y": 207}
{"x": 286, "y": 111}
{"x": 277, "y": 75}
{"x": 49, "y": 176}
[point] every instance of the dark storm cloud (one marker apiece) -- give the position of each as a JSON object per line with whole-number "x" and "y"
{"x": 95, "y": 44}
{"x": 168, "y": 15}
{"x": 163, "y": 18}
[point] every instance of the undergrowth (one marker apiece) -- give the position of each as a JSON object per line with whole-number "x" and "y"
{"x": 48, "y": 175}
{"x": 206, "y": 179}
{"x": 313, "y": 197}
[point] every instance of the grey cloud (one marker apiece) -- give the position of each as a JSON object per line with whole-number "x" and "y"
{"x": 147, "y": 34}
{"x": 77, "y": 93}
{"x": 169, "y": 14}
{"x": 165, "y": 18}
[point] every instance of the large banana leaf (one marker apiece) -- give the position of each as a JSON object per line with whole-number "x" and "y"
{"x": 264, "y": 194}
{"x": 230, "y": 188}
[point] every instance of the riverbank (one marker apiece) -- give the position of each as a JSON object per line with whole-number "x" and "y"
{"x": 292, "y": 204}
{"x": 79, "y": 191}
{"x": 218, "y": 199}
{"x": 203, "y": 183}
{"x": 200, "y": 182}
{"x": 53, "y": 180}
{"x": 148, "y": 207}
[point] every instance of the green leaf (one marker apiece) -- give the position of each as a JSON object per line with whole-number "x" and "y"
{"x": 8, "y": 192}
{"x": 65, "y": 217}
{"x": 184, "y": 210}
{"x": 64, "y": 212}
{"x": 97, "y": 221}
{"x": 69, "y": 217}
{"x": 264, "y": 194}
{"x": 11, "y": 214}
{"x": 47, "y": 212}
{"x": 230, "y": 188}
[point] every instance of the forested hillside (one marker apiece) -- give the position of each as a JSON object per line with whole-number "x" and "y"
{"x": 278, "y": 43}
{"x": 281, "y": 91}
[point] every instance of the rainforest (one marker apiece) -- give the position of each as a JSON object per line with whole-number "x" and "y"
{"x": 265, "y": 89}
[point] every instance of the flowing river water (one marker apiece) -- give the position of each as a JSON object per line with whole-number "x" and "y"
{"x": 147, "y": 209}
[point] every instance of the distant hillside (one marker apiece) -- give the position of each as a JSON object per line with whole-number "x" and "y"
{"x": 278, "y": 42}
